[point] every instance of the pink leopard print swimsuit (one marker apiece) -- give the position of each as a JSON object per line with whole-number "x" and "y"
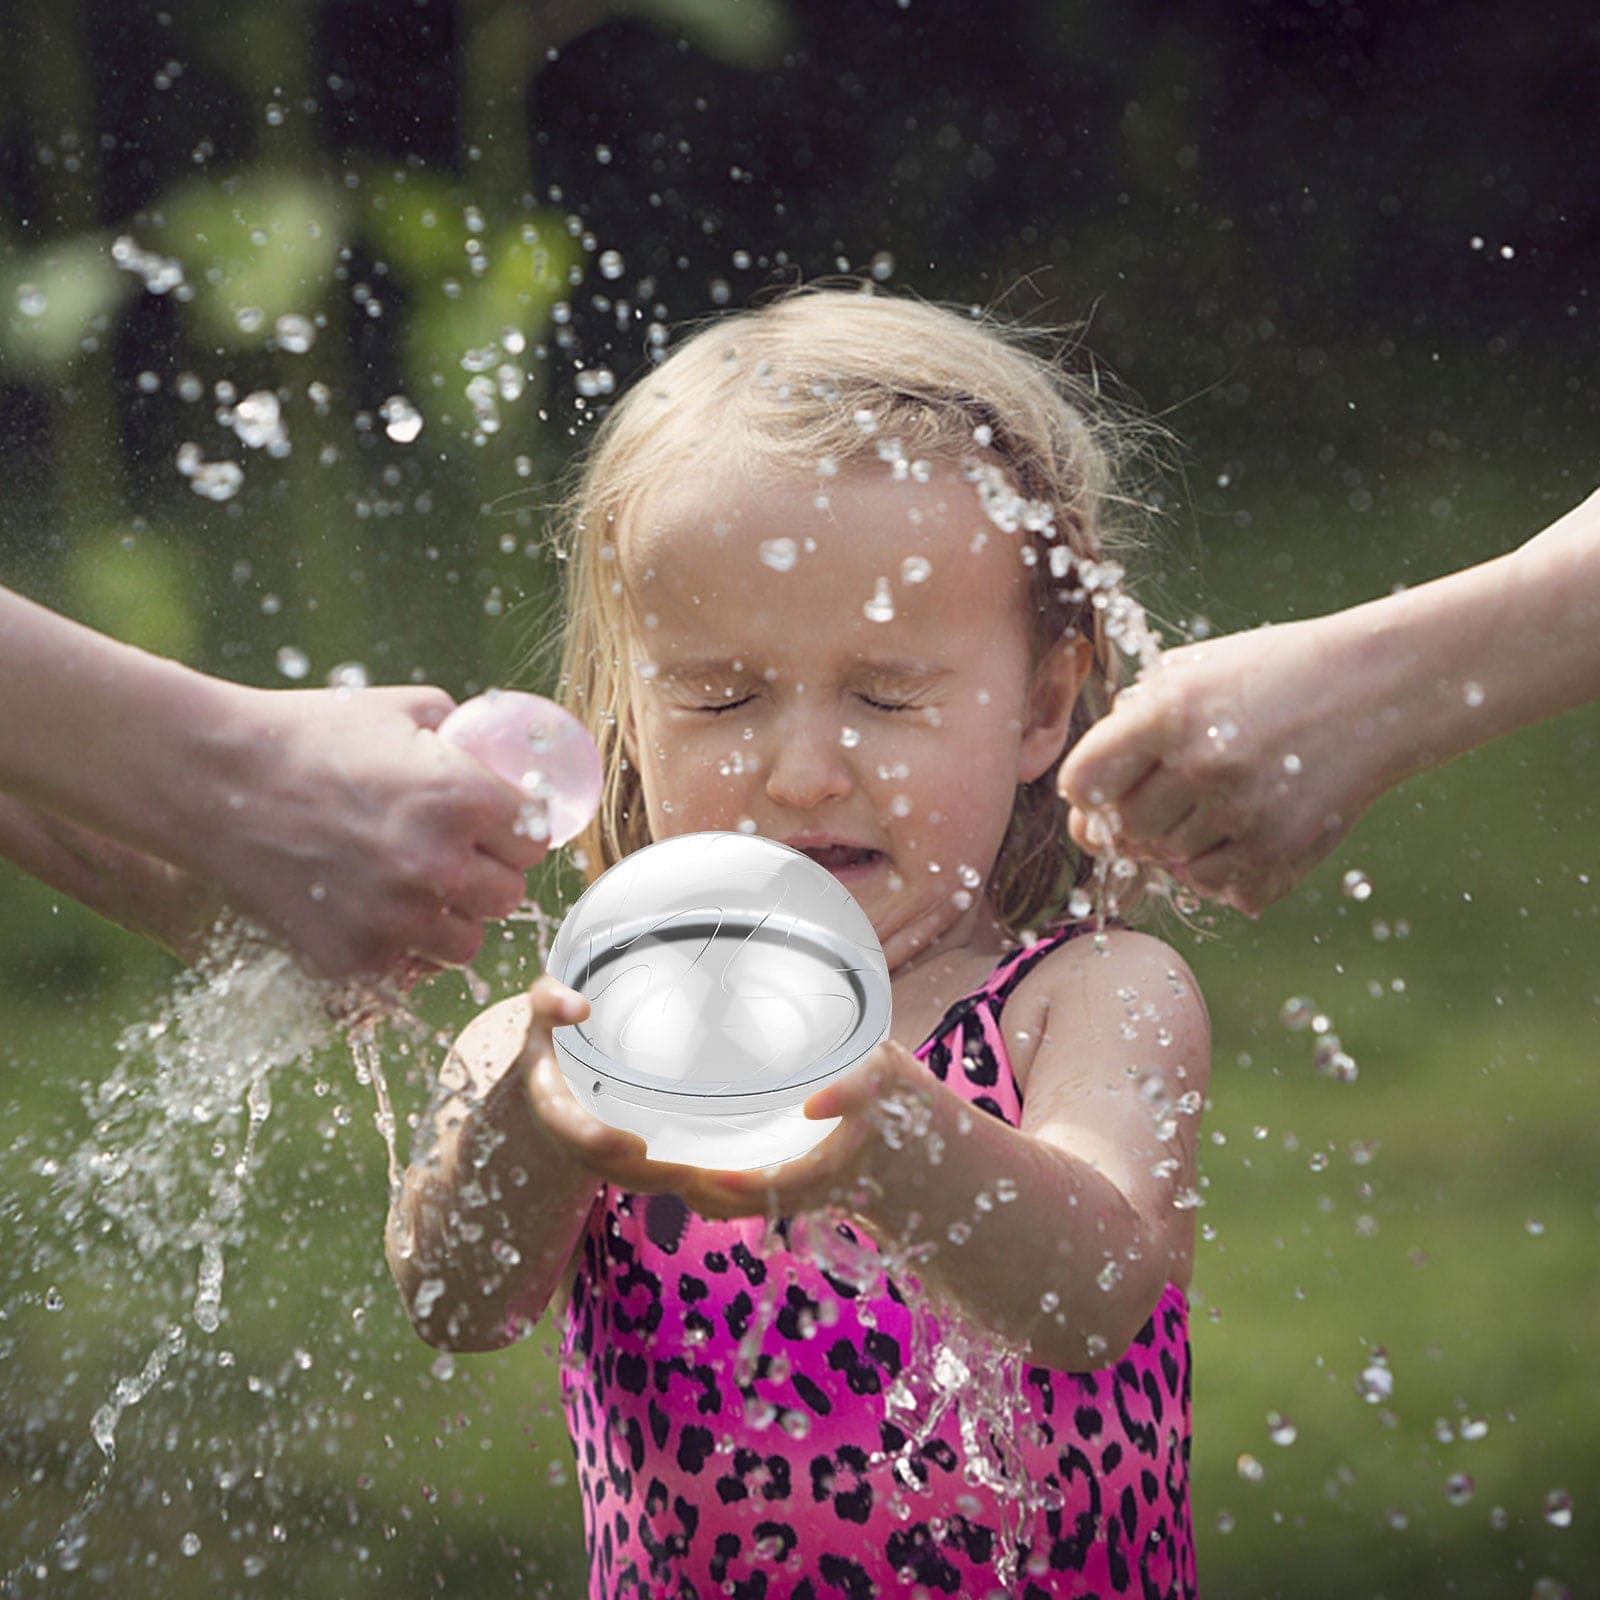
{"x": 698, "y": 1485}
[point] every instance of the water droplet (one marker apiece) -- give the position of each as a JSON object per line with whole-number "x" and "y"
{"x": 293, "y": 662}
{"x": 1474, "y": 1428}
{"x": 249, "y": 318}
{"x": 1293, "y": 765}
{"x": 1296, "y": 1013}
{"x": 212, "y": 480}
{"x": 258, "y": 421}
{"x": 1280, "y": 1429}
{"x": 1376, "y": 1381}
{"x": 348, "y": 675}
{"x": 32, "y": 300}
{"x": 611, "y": 264}
{"x": 849, "y": 738}
{"x": 1472, "y": 693}
{"x": 1535, "y": 1227}
{"x": 53, "y": 1299}
{"x": 880, "y": 608}
{"x": 881, "y": 266}
{"x": 1558, "y": 1508}
{"x": 1225, "y": 1522}
{"x": 779, "y": 554}
{"x": 401, "y": 420}
{"x": 1109, "y": 1276}
{"x": 1356, "y": 885}
{"x": 1079, "y": 905}
{"x": 189, "y": 1544}
{"x": 595, "y": 381}
{"x": 914, "y": 570}
{"x": 1459, "y": 1488}
{"x": 294, "y": 333}
{"x": 1250, "y": 1469}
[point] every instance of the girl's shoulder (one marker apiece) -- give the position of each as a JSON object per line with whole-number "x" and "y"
{"x": 1071, "y": 980}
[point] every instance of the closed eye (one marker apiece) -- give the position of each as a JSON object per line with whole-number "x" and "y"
{"x": 877, "y": 705}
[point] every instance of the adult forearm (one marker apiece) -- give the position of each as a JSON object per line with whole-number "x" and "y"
{"x": 130, "y": 888}
{"x": 1457, "y": 662}
{"x": 1029, "y": 1239}
{"x": 482, "y": 1229}
{"x": 99, "y": 732}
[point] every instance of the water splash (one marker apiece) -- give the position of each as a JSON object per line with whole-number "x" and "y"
{"x": 155, "y": 1171}
{"x": 1100, "y": 585}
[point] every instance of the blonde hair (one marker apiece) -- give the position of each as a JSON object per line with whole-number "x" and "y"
{"x": 823, "y": 372}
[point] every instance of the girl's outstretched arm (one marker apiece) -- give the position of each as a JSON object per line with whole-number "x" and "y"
{"x": 1241, "y": 762}
{"x": 483, "y": 1230}
{"x": 1071, "y": 1225}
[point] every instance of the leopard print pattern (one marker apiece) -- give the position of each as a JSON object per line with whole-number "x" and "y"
{"x": 726, "y": 1404}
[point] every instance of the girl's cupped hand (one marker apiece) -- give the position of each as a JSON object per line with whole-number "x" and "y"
{"x": 829, "y": 1174}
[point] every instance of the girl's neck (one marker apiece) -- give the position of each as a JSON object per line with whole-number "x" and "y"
{"x": 978, "y": 936}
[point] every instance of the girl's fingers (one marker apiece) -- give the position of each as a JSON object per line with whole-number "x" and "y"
{"x": 554, "y": 1002}
{"x": 620, "y": 1157}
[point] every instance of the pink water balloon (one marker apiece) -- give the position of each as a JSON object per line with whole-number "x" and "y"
{"x": 545, "y": 751}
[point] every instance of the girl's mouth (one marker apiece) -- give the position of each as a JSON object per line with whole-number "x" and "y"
{"x": 843, "y": 861}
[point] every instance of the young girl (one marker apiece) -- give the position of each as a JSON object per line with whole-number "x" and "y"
{"x": 830, "y": 583}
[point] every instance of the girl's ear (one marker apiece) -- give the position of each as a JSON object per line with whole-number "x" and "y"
{"x": 1056, "y": 684}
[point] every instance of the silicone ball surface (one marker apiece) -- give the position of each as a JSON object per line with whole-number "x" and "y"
{"x": 729, "y": 978}
{"x": 531, "y": 742}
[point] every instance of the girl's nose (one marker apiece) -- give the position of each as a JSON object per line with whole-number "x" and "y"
{"x": 807, "y": 766}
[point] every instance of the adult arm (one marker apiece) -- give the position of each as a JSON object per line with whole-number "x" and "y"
{"x": 133, "y": 889}
{"x": 1241, "y": 762}
{"x": 332, "y": 818}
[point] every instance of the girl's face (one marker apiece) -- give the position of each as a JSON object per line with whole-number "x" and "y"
{"x": 844, "y": 664}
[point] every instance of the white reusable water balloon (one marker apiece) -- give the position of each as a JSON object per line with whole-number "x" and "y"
{"x": 729, "y": 978}
{"x": 533, "y": 743}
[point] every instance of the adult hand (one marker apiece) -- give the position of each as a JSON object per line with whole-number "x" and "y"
{"x": 1237, "y": 763}
{"x": 339, "y": 822}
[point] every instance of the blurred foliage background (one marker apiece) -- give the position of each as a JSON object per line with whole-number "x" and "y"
{"x": 1346, "y": 254}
